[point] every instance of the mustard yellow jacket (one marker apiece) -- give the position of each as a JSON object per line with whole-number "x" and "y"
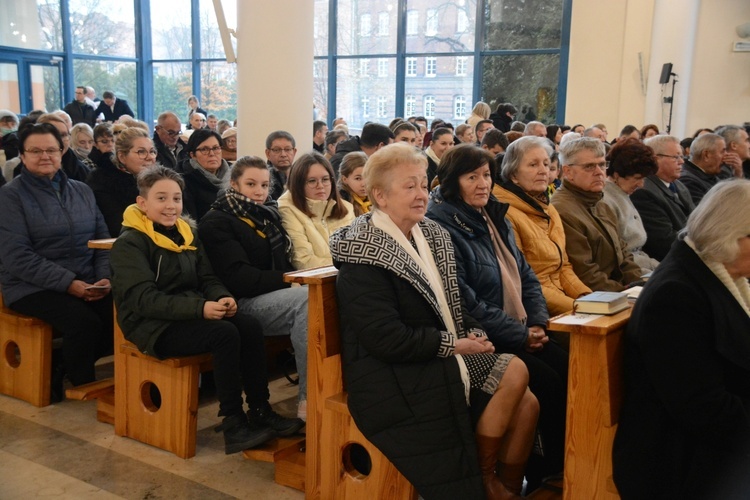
{"x": 540, "y": 236}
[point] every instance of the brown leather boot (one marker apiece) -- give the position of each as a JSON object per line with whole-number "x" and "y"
{"x": 487, "y": 449}
{"x": 511, "y": 476}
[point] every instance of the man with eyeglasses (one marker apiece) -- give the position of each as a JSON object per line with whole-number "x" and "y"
{"x": 167, "y": 140}
{"x": 79, "y": 110}
{"x": 594, "y": 248}
{"x": 281, "y": 149}
{"x": 664, "y": 203}
{"x": 701, "y": 172}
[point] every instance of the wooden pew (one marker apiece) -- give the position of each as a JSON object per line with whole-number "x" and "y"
{"x": 332, "y": 435}
{"x": 595, "y": 391}
{"x": 26, "y": 351}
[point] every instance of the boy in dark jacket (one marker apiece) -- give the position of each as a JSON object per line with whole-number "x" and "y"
{"x": 169, "y": 303}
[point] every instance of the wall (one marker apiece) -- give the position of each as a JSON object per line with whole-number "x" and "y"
{"x": 604, "y": 78}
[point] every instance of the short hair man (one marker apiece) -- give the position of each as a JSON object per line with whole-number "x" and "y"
{"x": 594, "y": 247}
{"x": 212, "y": 122}
{"x": 79, "y": 110}
{"x": 603, "y": 128}
{"x": 596, "y": 133}
{"x": 536, "y": 129}
{"x": 113, "y": 108}
{"x": 482, "y": 127}
{"x": 664, "y": 203}
{"x": 737, "y": 152}
{"x": 374, "y": 136}
{"x": 495, "y": 141}
{"x": 320, "y": 129}
{"x": 198, "y": 121}
{"x": 281, "y": 148}
{"x": 169, "y": 145}
{"x": 701, "y": 172}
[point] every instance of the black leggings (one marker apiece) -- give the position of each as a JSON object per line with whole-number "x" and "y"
{"x": 238, "y": 349}
{"x": 548, "y": 380}
{"x": 86, "y": 328}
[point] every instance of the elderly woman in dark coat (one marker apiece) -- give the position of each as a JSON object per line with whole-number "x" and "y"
{"x": 684, "y": 428}
{"x": 501, "y": 290}
{"x": 415, "y": 365}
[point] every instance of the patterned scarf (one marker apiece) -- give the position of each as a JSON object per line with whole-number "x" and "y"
{"x": 264, "y": 219}
{"x": 363, "y": 243}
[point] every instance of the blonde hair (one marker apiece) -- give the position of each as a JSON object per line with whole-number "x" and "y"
{"x": 482, "y": 109}
{"x": 379, "y": 169}
{"x": 125, "y": 140}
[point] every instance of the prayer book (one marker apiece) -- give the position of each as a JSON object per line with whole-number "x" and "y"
{"x": 601, "y": 303}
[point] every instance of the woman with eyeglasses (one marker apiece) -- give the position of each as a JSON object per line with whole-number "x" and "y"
{"x": 204, "y": 170}
{"x": 46, "y": 268}
{"x": 114, "y": 183}
{"x": 311, "y": 210}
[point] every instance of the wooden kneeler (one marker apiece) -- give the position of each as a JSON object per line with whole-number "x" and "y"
{"x": 25, "y": 377}
{"x": 334, "y": 445}
{"x": 173, "y": 425}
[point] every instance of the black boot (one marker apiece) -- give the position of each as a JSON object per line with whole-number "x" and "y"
{"x": 265, "y": 417}
{"x": 56, "y": 390}
{"x": 238, "y": 435}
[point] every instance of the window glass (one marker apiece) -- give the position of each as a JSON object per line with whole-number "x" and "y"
{"x": 359, "y": 22}
{"x": 410, "y": 106}
{"x": 529, "y": 82}
{"x": 442, "y": 88}
{"x": 118, "y": 77}
{"x": 320, "y": 27}
{"x": 170, "y": 30}
{"x": 10, "y": 97}
{"x": 46, "y": 91}
{"x": 102, "y": 27}
{"x": 173, "y": 84}
{"x": 522, "y": 24}
{"x": 384, "y": 21}
{"x": 320, "y": 90}
{"x": 440, "y": 31}
{"x": 31, "y": 25}
{"x": 411, "y": 66}
{"x": 429, "y": 107}
{"x": 219, "y": 89}
{"x": 383, "y": 68}
{"x": 357, "y": 95}
{"x": 211, "y": 45}
{"x": 459, "y": 108}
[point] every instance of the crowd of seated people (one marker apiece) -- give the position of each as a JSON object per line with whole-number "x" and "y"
{"x": 533, "y": 216}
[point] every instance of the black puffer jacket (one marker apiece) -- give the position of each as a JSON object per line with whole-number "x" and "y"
{"x": 405, "y": 398}
{"x": 115, "y": 190}
{"x": 342, "y": 149}
{"x": 479, "y": 271}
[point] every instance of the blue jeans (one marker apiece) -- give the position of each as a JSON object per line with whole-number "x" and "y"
{"x": 284, "y": 312}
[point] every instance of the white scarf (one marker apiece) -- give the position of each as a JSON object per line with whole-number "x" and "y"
{"x": 739, "y": 288}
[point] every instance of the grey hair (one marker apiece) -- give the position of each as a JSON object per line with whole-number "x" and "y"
{"x": 570, "y": 136}
{"x": 702, "y": 143}
{"x": 570, "y": 149}
{"x": 517, "y": 150}
{"x": 730, "y": 133}
{"x": 659, "y": 142}
{"x": 531, "y": 126}
{"x": 720, "y": 220}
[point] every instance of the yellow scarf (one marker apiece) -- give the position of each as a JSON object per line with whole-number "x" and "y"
{"x": 364, "y": 203}
{"x": 135, "y": 218}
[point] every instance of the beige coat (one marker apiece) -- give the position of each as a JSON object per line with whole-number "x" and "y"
{"x": 540, "y": 236}
{"x": 310, "y": 234}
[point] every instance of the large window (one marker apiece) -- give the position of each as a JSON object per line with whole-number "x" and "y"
{"x": 374, "y": 60}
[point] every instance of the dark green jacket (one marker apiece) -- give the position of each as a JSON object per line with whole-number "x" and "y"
{"x": 153, "y": 287}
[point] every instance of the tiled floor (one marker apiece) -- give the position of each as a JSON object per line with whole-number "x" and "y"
{"x": 61, "y": 451}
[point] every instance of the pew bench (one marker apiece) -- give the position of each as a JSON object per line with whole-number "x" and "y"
{"x": 26, "y": 350}
{"x": 595, "y": 392}
{"x": 340, "y": 462}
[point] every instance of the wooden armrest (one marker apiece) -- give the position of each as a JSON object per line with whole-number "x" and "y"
{"x": 103, "y": 244}
{"x": 338, "y": 403}
{"x": 316, "y": 276}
